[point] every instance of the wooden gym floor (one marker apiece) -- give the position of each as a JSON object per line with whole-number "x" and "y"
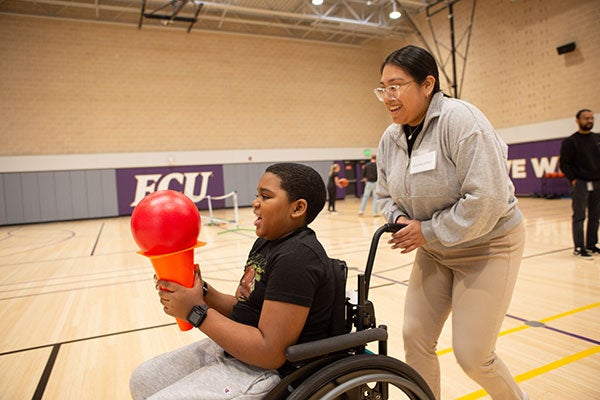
{"x": 78, "y": 308}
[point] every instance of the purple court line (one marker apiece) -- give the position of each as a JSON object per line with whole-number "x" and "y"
{"x": 574, "y": 335}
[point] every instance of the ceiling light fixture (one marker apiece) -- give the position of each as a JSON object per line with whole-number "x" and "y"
{"x": 317, "y": 2}
{"x": 395, "y": 14}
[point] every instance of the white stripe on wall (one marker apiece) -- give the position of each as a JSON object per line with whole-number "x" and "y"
{"x": 67, "y": 162}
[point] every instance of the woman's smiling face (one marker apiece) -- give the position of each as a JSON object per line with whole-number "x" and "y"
{"x": 412, "y": 101}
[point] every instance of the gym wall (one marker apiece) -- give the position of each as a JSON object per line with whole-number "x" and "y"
{"x": 83, "y": 97}
{"x": 72, "y": 87}
{"x": 513, "y": 72}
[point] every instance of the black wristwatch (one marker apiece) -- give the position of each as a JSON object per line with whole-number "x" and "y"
{"x": 197, "y": 315}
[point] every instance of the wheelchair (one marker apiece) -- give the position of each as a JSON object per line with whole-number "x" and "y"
{"x": 341, "y": 367}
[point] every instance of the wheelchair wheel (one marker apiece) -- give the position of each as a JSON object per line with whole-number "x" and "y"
{"x": 364, "y": 377}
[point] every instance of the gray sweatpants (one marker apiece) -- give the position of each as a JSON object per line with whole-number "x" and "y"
{"x": 200, "y": 371}
{"x": 476, "y": 284}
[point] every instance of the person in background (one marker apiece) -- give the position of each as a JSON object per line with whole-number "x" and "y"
{"x": 332, "y": 184}
{"x": 443, "y": 172}
{"x": 580, "y": 162}
{"x": 285, "y": 296}
{"x": 370, "y": 179}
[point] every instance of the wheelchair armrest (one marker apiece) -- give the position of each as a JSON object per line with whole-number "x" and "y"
{"x": 305, "y": 351}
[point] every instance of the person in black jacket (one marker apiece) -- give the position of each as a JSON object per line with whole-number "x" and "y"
{"x": 370, "y": 179}
{"x": 332, "y": 184}
{"x": 580, "y": 162}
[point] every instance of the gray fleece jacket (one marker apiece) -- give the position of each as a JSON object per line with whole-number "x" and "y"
{"x": 458, "y": 185}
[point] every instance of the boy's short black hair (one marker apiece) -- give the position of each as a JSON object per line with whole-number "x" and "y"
{"x": 302, "y": 182}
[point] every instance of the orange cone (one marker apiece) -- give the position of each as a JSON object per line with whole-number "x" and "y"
{"x": 176, "y": 267}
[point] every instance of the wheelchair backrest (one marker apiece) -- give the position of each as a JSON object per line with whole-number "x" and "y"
{"x": 338, "y": 324}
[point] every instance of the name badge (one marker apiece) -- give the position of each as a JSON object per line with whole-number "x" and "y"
{"x": 422, "y": 163}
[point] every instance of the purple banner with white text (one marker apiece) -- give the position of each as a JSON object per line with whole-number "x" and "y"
{"x": 196, "y": 182}
{"x": 529, "y": 164}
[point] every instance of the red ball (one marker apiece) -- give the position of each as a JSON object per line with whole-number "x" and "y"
{"x": 344, "y": 182}
{"x": 164, "y": 222}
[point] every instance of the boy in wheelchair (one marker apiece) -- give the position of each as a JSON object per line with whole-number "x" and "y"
{"x": 285, "y": 296}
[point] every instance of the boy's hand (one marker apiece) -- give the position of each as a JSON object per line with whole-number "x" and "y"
{"x": 178, "y": 300}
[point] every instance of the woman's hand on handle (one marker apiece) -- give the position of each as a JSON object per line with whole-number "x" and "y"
{"x": 408, "y": 238}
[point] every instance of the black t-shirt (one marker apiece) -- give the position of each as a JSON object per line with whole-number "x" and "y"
{"x": 370, "y": 171}
{"x": 294, "y": 269}
{"x": 331, "y": 181}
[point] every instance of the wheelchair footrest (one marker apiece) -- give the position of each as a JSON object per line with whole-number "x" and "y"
{"x": 305, "y": 351}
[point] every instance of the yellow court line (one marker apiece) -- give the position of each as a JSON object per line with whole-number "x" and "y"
{"x": 557, "y": 316}
{"x": 540, "y": 370}
{"x": 513, "y": 330}
{"x": 445, "y": 351}
{"x": 521, "y": 327}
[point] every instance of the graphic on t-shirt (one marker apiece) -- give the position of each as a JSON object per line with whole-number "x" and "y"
{"x": 253, "y": 271}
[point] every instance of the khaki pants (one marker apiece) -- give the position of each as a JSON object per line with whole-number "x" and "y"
{"x": 476, "y": 284}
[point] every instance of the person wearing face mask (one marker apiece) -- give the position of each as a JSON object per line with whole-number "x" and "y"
{"x": 443, "y": 172}
{"x": 580, "y": 162}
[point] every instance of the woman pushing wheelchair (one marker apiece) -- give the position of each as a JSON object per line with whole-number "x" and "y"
{"x": 442, "y": 171}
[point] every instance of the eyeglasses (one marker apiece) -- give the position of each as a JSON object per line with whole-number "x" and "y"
{"x": 392, "y": 91}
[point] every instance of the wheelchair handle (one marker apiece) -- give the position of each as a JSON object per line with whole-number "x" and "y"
{"x": 387, "y": 228}
{"x": 391, "y": 228}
